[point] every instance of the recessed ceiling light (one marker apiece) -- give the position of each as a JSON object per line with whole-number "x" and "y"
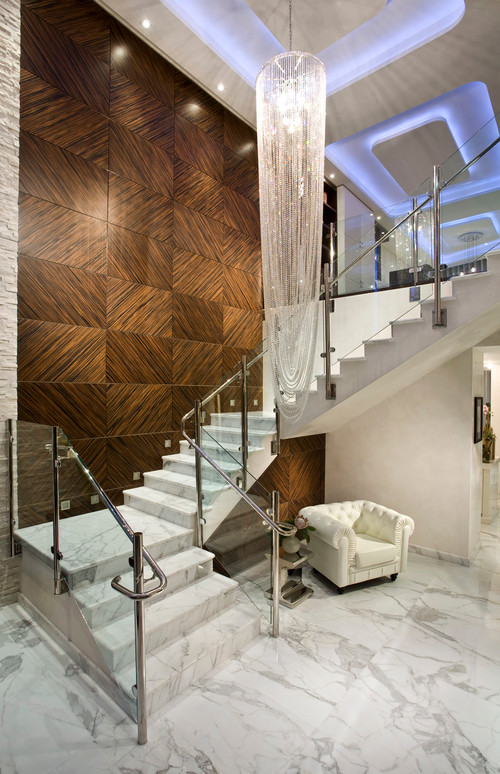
{"x": 220, "y": 87}
{"x": 378, "y": 217}
{"x": 146, "y": 24}
{"x": 332, "y": 175}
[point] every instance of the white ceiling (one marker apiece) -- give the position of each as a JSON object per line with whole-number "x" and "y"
{"x": 468, "y": 52}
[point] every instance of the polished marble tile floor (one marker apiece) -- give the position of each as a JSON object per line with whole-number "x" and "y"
{"x": 396, "y": 678}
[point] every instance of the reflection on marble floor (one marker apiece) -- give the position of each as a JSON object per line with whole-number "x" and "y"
{"x": 390, "y": 677}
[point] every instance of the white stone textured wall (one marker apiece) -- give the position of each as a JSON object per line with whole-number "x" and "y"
{"x": 10, "y": 49}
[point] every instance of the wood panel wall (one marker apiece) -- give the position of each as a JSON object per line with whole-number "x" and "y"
{"x": 139, "y": 268}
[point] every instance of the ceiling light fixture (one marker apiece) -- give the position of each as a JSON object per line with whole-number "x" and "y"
{"x": 146, "y": 24}
{"x": 220, "y": 87}
{"x": 291, "y": 97}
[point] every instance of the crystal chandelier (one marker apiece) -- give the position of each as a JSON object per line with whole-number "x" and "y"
{"x": 291, "y": 96}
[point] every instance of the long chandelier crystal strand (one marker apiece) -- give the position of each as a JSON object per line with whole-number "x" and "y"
{"x": 291, "y": 96}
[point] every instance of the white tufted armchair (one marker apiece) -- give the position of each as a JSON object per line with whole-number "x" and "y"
{"x": 357, "y": 540}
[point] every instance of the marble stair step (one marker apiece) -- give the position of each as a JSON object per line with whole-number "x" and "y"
{"x": 100, "y": 603}
{"x": 258, "y": 420}
{"x": 182, "y": 485}
{"x": 185, "y": 464}
{"x": 94, "y": 546}
{"x": 229, "y": 434}
{"x": 227, "y": 451}
{"x": 169, "y": 618}
{"x": 176, "y": 509}
{"x": 173, "y": 668}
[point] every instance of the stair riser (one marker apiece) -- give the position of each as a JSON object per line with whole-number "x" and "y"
{"x": 211, "y": 659}
{"x": 180, "y": 490}
{"x": 168, "y": 632}
{"x": 184, "y": 468}
{"x": 119, "y": 564}
{"x": 234, "y": 420}
{"x": 120, "y": 606}
{"x": 233, "y": 435}
{"x": 217, "y": 453}
{"x": 161, "y": 511}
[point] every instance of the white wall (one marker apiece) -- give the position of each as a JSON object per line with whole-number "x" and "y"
{"x": 414, "y": 452}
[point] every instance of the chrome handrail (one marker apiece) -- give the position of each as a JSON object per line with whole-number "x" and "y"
{"x": 157, "y": 571}
{"x": 223, "y": 386}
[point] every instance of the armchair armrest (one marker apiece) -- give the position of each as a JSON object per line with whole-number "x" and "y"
{"x": 383, "y": 523}
{"x": 329, "y": 529}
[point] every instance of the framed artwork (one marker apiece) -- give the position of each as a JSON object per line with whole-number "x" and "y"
{"x": 478, "y": 420}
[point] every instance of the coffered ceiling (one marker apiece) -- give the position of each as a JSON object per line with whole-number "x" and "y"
{"x": 382, "y": 59}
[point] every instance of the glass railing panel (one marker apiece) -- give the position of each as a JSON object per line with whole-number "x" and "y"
{"x": 470, "y": 213}
{"x": 95, "y": 549}
{"x": 233, "y": 531}
{"x": 32, "y": 474}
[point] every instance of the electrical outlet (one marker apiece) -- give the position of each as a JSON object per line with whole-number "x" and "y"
{"x": 94, "y": 499}
{"x": 232, "y": 403}
{"x": 65, "y": 505}
{"x": 168, "y": 443}
{"x": 136, "y": 476}
{"x": 255, "y": 402}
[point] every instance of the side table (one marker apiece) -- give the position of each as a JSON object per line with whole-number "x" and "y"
{"x": 292, "y": 589}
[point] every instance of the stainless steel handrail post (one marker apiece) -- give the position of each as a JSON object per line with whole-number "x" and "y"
{"x": 244, "y": 421}
{"x": 438, "y": 314}
{"x": 276, "y": 444}
{"x": 329, "y": 386}
{"x": 414, "y": 242}
{"x": 276, "y": 564}
{"x": 140, "y": 641}
{"x": 198, "y": 473}
{"x": 12, "y": 514}
{"x": 56, "y": 465}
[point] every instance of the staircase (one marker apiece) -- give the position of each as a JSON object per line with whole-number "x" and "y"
{"x": 406, "y": 351}
{"x": 200, "y": 620}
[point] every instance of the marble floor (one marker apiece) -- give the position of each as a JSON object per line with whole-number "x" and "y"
{"x": 396, "y": 678}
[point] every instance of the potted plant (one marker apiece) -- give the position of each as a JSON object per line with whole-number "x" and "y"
{"x": 291, "y": 544}
{"x": 489, "y": 436}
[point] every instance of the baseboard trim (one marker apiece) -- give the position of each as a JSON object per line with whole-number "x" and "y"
{"x": 442, "y": 556}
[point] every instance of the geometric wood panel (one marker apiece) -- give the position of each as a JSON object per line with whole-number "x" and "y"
{"x": 196, "y": 362}
{"x": 139, "y": 63}
{"x": 53, "y": 233}
{"x": 84, "y": 22}
{"x": 198, "y": 148}
{"x": 241, "y": 213}
{"x": 138, "y": 308}
{"x": 242, "y": 328}
{"x": 80, "y": 409}
{"x": 197, "y": 276}
{"x": 138, "y": 408}
{"x": 51, "y": 173}
{"x": 137, "y": 159}
{"x": 128, "y": 454}
{"x": 139, "y": 111}
{"x": 56, "y": 293}
{"x": 63, "y": 120}
{"x": 49, "y": 352}
{"x": 196, "y": 319}
{"x": 139, "y": 359}
{"x": 197, "y": 190}
{"x": 137, "y": 258}
{"x": 240, "y": 137}
{"x": 241, "y": 251}
{"x": 139, "y": 209}
{"x": 196, "y": 233}
{"x": 200, "y": 108}
{"x": 240, "y": 175}
{"x": 55, "y": 58}
{"x": 242, "y": 289}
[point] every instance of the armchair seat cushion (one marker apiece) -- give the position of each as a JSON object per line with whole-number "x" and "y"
{"x": 371, "y": 551}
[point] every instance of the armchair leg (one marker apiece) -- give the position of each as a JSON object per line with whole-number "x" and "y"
{"x": 394, "y": 576}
